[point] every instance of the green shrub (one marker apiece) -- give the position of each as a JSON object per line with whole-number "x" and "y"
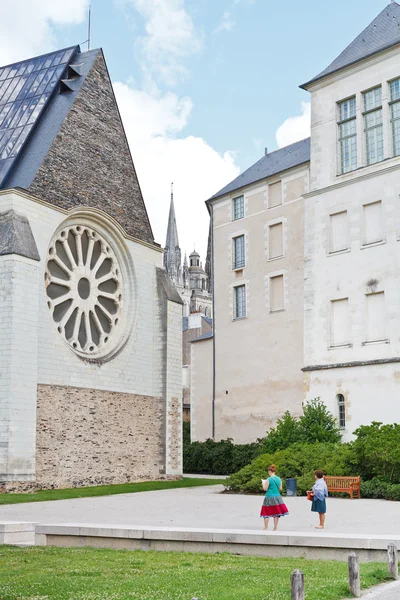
{"x": 316, "y": 424}
{"x": 299, "y": 461}
{"x": 218, "y": 458}
{"x": 377, "y": 449}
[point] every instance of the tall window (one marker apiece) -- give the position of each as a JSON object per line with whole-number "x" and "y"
{"x": 340, "y": 323}
{"x": 276, "y": 294}
{"x": 342, "y": 411}
{"x": 376, "y": 317}
{"x": 347, "y": 135}
{"x": 373, "y": 230}
{"x": 238, "y": 252}
{"x": 339, "y": 232}
{"x": 373, "y": 125}
{"x": 238, "y": 208}
{"x": 395, "y": 115}
{"x": 275, "y": 245}
{"x": 240, "y": 301}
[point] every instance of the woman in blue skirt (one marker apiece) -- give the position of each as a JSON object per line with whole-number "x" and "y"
{"x": 320, "y": 492}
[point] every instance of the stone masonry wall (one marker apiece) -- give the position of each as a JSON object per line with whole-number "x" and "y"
{"x": 89, "y": 162}
{"x": 90, "y": 437}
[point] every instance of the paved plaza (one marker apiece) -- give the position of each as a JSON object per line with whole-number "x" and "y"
{"x": 208, "y": 508}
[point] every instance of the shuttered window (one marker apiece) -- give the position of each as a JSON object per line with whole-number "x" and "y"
{"x": 339, "y": 232}
{"x": 275, "y": 240}
{"x": 373, "y": 230}
{"x": 275, "y": 194}
{"x": 276, "y": 294}
{"x": 340, "y": 330}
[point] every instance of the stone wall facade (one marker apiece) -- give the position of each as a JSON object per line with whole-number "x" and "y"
{"x": 102, "y": 421}
{"x": 89, "y": 162}
{"x": 94, "y": 437}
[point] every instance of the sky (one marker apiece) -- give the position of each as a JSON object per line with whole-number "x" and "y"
{"x": 203, "y": 86}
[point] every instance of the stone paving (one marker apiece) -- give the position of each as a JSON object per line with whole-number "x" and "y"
{"x": 207, "y": 508}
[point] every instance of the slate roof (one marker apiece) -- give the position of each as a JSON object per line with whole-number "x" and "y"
{"x": 273, "y": 163}
{"x": 35, "y": 97}
{"x": 381, "y": 34}
{"x": 205, "y": 336}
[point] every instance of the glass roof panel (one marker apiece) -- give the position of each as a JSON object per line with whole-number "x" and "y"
{"x": 25, "y": 89}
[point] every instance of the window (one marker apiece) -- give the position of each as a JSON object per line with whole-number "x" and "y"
{"x": 373, "y": 125}
{"x": 376, "y": 317}
{"x": 276, "y": 294}
{"x": 342, "y": 411}
{"x": 238, "y": 208}
{"x": 238, "y": 252}
{"x": 340, "y": 323}
{"x": 347, "y": 135}
{"x": 275, "y": 194}
{"x": 240, "y": 301}
{"x": 275, "y": 245}
{"x": 395, "y": 115}
{"x": 339, "y": 232}
{"x": 373, "y": 223}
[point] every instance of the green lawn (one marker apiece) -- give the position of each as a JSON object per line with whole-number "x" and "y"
{"x": 46, "y": 573}
{"x": 105, "y": 490}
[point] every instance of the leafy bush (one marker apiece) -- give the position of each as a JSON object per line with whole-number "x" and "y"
{"x": 379, "y": 488}
{"x": 316, "y": 424}
{"x": 377, "y": 449}
{"x": 218, "y": 458}
{"x": 299, "y": 461}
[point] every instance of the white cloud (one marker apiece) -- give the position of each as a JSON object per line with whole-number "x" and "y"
{"x": 170, "y": 37}
{"x": 295, "y": 128}
{"x": 152, "y": 123}
{"x": 26, "y": 27}
{"x": 226, "y": 24}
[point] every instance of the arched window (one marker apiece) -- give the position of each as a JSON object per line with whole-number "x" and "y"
{"x": 342, "y": 410}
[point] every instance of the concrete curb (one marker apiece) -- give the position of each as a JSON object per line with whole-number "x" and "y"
{"x": 383, "y": 592}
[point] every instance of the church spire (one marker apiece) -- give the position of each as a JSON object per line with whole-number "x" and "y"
{"x": 172, "y": 251}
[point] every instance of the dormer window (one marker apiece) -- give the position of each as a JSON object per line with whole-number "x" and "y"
{"x": 347, "y": 135}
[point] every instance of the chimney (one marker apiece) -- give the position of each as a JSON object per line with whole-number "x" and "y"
{"x": 266, "y": 151}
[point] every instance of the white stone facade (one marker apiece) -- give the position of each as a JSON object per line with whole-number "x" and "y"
{"x": 142, "y": 360}
{"x": 362, "y": 364}
{"x": 258, "y": 357}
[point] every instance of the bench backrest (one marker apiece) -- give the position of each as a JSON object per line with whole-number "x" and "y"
{"x": 341, "y": 482}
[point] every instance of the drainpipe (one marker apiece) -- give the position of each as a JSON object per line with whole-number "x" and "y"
{"x": 213, "y": 316}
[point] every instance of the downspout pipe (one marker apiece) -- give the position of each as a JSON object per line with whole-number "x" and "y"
{"x": 211, "y": 212}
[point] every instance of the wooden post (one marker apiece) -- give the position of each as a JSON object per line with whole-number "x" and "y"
{"x": 354, "y": 575}
{"x": 297, "y": 585}
{"x": 392, "y": 561}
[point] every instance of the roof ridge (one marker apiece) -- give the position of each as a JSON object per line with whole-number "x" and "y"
{"x": 377, "y": 36}
{"x": 270, "y": 164}
{"x": 17, "y": 62}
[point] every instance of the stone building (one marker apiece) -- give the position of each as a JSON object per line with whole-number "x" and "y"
{"x": 306, "y": 257}
{"x": 193, "y": 284}
{"x": 257, "y": 344}
{"x": 90, "y": 324}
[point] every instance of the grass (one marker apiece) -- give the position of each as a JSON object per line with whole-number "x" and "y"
{"x": 105, "y": 490}
{"x": 47, "y": 573}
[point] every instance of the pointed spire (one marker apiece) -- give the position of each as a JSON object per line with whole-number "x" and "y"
{"x": 172, "y": 251}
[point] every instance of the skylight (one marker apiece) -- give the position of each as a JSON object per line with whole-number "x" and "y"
{"x": 25, "y": 89}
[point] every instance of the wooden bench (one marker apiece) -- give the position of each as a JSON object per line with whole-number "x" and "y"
{"x": 347, "y": 485}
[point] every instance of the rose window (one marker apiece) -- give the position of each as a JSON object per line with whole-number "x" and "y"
{"x": 84, "y": 289}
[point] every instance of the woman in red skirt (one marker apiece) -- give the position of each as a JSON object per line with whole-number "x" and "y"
{"x": 273, "y": 505}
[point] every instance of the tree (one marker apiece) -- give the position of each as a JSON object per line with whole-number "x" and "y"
{"x": 377, "y": 448}
{"x": 317, "y": 424}
{"x": 287, "y": 432}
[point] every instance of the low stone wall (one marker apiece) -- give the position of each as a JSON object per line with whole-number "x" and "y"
{"x": 96, "y": 437}
{"x": 320, "y": 546}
